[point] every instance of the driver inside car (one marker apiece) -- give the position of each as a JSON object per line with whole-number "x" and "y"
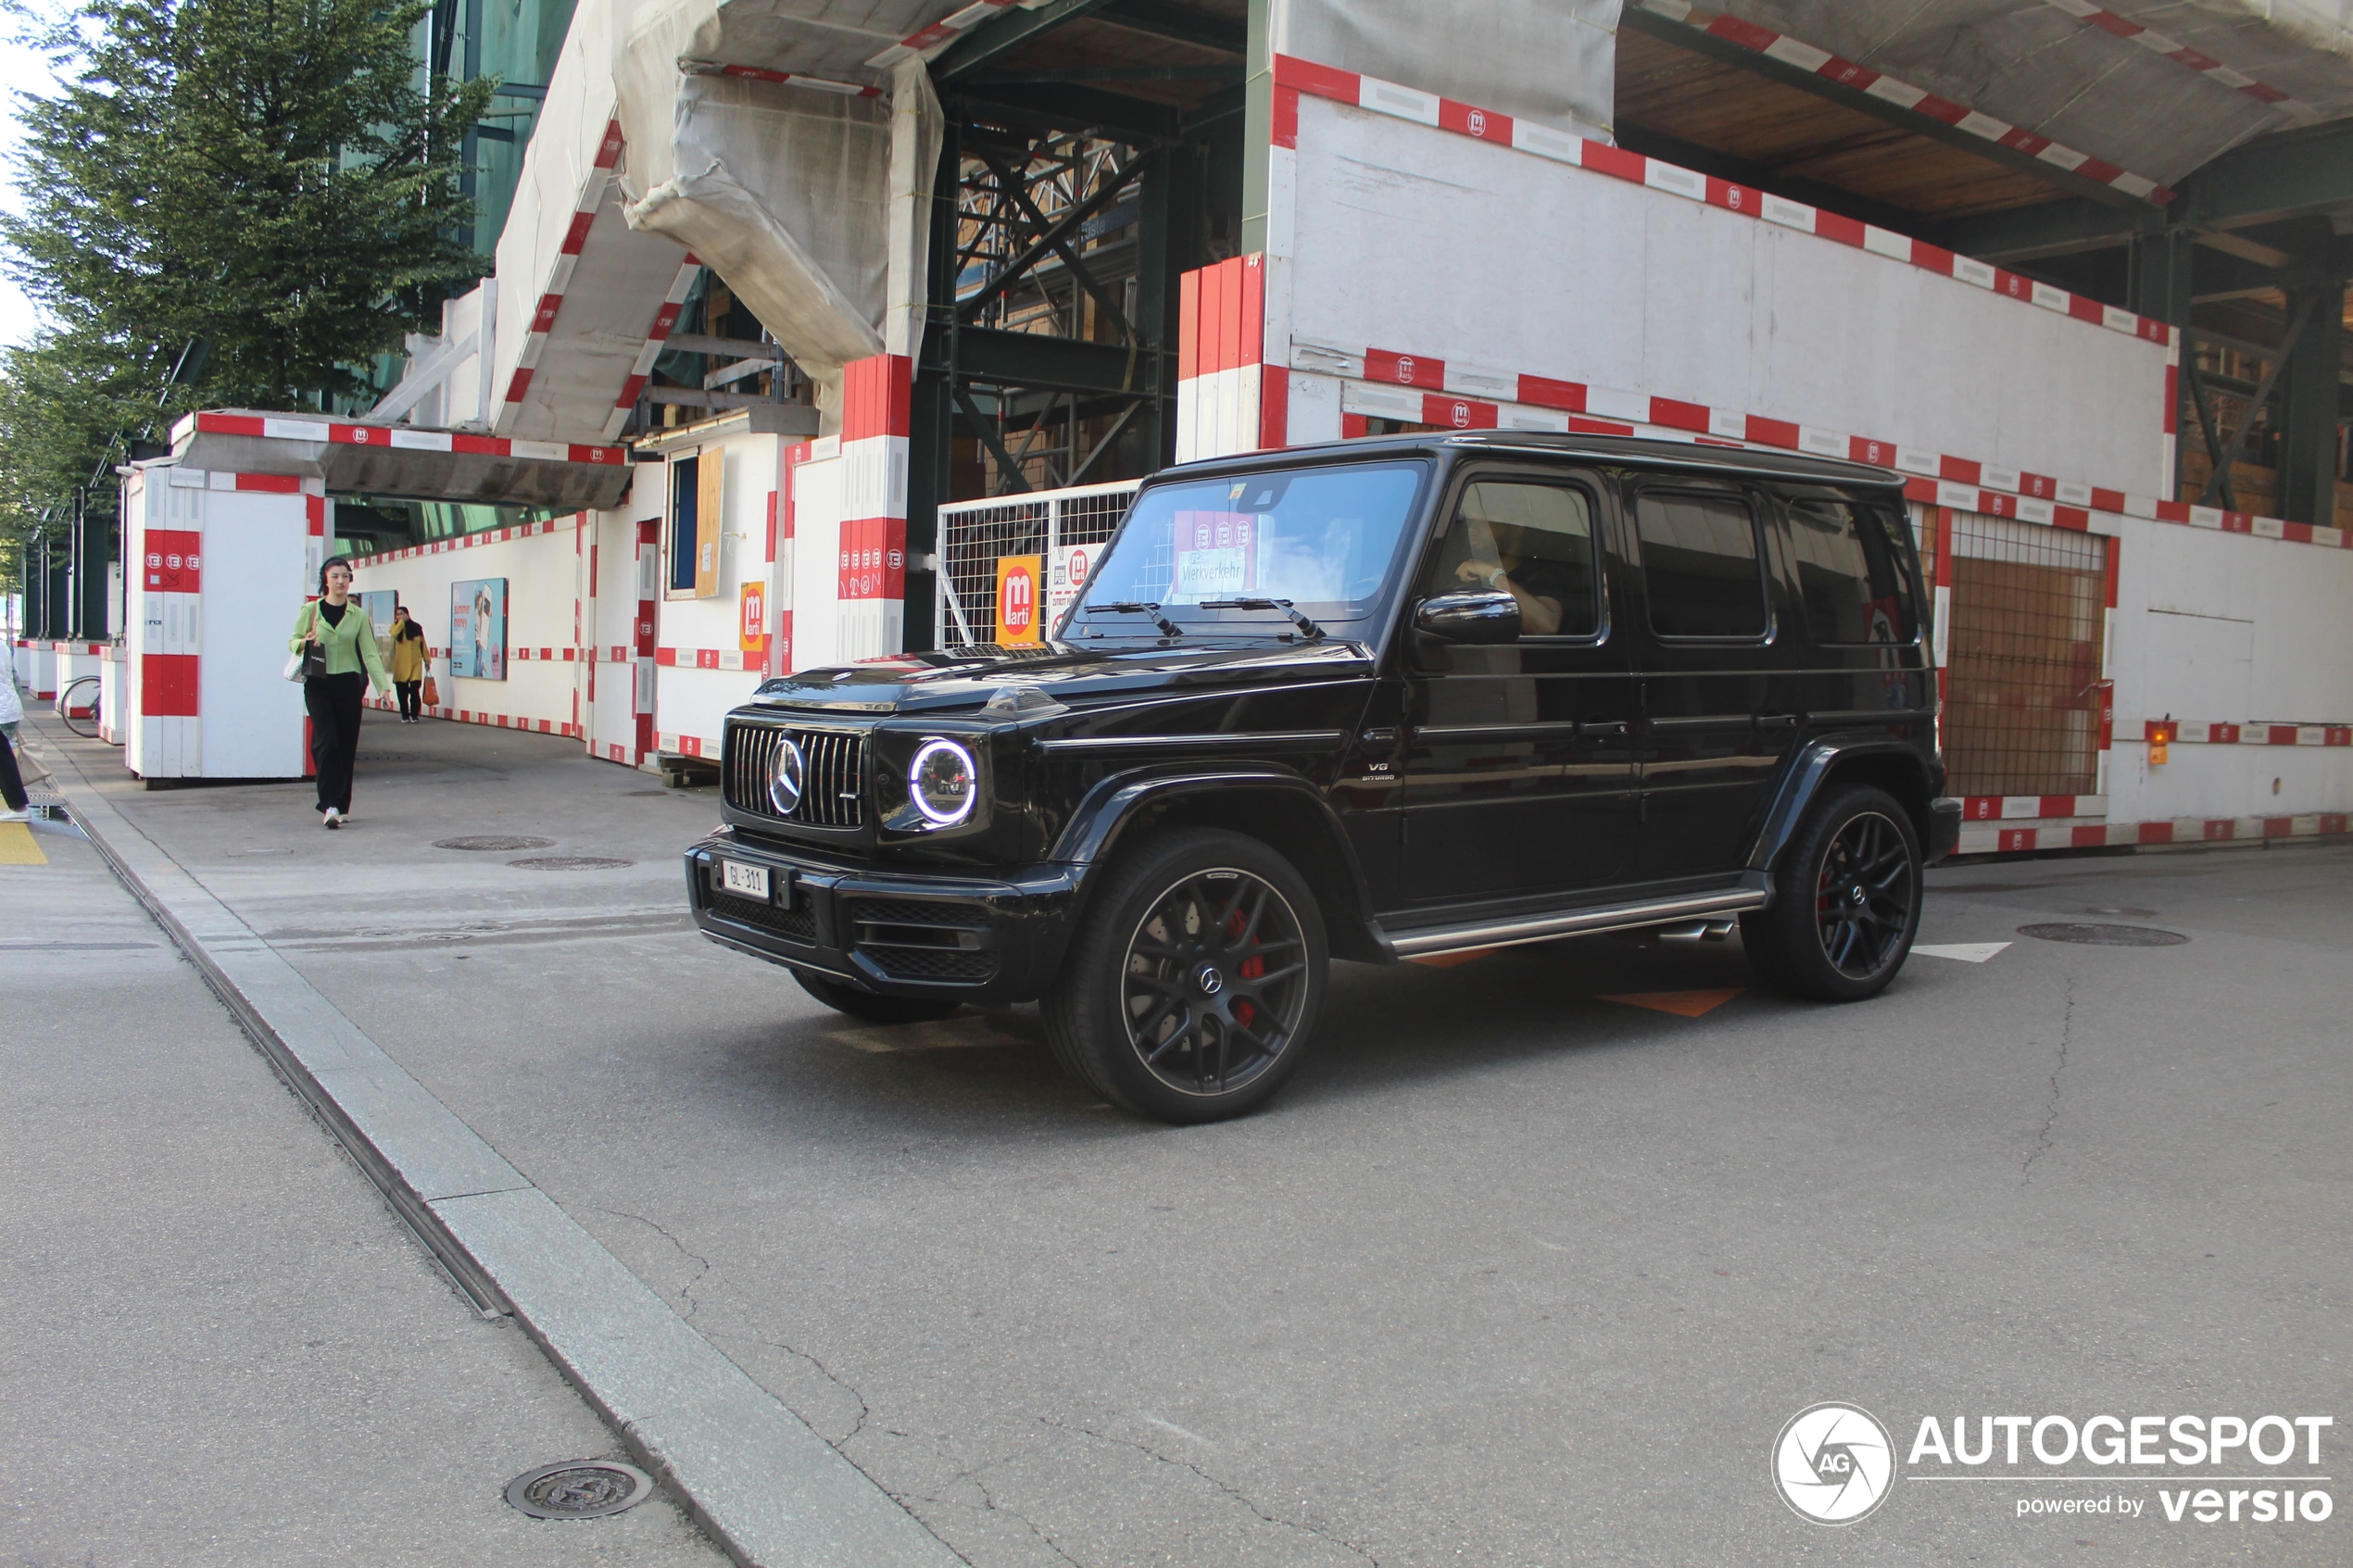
{"x": 1508, "y": 552}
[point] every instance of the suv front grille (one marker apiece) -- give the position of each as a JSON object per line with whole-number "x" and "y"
{"x": 833, "y": 783}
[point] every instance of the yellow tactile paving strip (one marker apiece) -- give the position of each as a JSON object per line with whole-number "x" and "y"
{"x": 16, "y": 847}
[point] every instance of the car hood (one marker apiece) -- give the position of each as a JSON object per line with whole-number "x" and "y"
{"x": 1021, "y": 683}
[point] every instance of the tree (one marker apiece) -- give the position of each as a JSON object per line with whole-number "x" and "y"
{"x": 264, "y": 175}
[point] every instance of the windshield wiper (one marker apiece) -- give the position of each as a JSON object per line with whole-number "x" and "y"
{"x": 1137, "y": 607}
{"x": 1306, "y": 627}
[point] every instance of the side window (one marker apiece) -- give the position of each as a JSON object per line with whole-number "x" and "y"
{"x": 1700, "y": 564}
{"x": 1850, "y": 572}
{"x": 1536, "y": 540}
{"x": 685, "y": 525}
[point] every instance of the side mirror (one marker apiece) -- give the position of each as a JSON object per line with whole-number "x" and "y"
{"x": 1478, "y": 615}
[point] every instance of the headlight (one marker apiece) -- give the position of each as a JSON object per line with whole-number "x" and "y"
{"x": 944, "y": 781}
{"x": 787, "y": 775}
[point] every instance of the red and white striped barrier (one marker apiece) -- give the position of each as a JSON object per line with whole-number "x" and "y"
{"x": 401, "y": 437}
{"x": 1426, "y": 390}
{"x": 876, "y": 413}
{"x": 1903, "y": 94}
{"x": 2199, "y": 732}
{"x": 2183, "y": 55}
{"x": 941, "y": 31}
{"x": 551, "y": 298}
{"x": 665, "y": 319}
{"x": 2030, "y": 838}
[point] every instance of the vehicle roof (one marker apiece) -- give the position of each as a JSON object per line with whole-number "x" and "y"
{"x": 1623, "y": 451}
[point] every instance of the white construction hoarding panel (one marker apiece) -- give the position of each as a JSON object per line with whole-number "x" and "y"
{"x": 2220, "y": 629}
{"x": 255, "y": 580}
{"x": 1500, "y": 264}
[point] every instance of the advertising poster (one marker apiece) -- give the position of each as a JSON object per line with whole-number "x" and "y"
{"x": 379, "y": 608}
{"x": 1067, "y": 578}
{"x": 1017, "y": 605}
{"x": 478, "y": 628}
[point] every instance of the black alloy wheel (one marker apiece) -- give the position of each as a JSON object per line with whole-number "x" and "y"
{"x": 1846, "y": 899}
{"x": 1215, "y": 982}
{"x": 1191, "y": 991}
{"x": 1864, "y": 896}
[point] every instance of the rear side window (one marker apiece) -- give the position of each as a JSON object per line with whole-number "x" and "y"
{"x": 1850, "y": 572}
{"x": 1700, "y": 564}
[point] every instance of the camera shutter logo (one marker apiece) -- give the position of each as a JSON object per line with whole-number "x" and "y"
{"x": 1833, "y": 1464}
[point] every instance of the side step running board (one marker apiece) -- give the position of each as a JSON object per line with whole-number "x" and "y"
{"x": 1692, "y": 910}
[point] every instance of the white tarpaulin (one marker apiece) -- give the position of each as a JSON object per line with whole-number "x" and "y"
{"x": 2044, "y": 65}
{"x": 1551, "y": 61}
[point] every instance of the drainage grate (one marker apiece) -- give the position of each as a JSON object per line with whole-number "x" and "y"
{"x": 581, "y": 1488}
{"x": 2106, "y": 936}
{"x": 494, "y": 843}
{"x": 568, "y": 862}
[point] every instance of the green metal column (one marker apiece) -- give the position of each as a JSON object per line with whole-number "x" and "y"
{"x": 2309, "y": 399}
{"x": 931, "y": 427}
{"x": 1258, "y": 126}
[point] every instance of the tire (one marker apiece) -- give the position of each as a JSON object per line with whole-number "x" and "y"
{"x": 1846, "y": 900}
{"x": 1191, "y": 990}
{"x": 868, "y": 1008}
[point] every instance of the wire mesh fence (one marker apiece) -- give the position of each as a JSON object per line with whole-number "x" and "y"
{"x": 974, "y": 536}
{"x": 2022, "y": 693}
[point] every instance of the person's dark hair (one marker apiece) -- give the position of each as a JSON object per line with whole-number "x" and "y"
{"x": 344, "y": 562}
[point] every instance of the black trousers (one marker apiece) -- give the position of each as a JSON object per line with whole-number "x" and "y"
{"x": 411, "y": 698}
{"x": 11, "y": 781}
{"x": 333, "y": 701}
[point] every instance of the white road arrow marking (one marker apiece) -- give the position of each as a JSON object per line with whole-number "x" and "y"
{"x": 1967, "y": 952}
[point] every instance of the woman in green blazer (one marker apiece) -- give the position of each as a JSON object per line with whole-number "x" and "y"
{"x": 337, "y": 625}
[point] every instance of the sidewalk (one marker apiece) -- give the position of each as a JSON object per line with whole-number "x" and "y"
{"x": 340, "y": 952}
{"x": 218, "y": 1345}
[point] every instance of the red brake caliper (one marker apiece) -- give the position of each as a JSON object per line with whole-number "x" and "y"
{"x": 1252, "y": 968}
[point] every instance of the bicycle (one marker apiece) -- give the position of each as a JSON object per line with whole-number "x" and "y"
{"x": 75, "y": 719}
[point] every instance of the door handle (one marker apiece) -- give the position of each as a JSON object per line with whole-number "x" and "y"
{"x": 1603, "y": 729}
{"x": 1777, "y": 720}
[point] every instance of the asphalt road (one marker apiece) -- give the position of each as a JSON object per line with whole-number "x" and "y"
{"x": 1513, "y": 1272}
{"x": 216, "y": 1344}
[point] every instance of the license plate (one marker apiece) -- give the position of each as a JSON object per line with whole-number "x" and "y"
{"x": 749, "y": 881}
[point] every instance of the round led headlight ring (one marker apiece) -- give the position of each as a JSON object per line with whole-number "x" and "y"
{"x": 787, "y": 772}
{"x": 944, "y": 781}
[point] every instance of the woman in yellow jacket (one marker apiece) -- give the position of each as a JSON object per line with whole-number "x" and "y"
{"x": 336, "y": 623}
{"x": 408, "y": 661}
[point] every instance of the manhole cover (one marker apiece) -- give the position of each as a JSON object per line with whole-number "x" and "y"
{"x": 2106, "y": 936}
{"x": 581, "y": 1488}
{"x": 490, "y": 842}
{"x": 568, "y": 862}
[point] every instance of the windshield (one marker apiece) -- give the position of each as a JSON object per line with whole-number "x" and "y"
{"x": 1229, "y": 550}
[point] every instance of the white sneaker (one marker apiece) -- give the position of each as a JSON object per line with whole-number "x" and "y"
{"x": 23, "y": 816}
{"x": 332, "y": 818}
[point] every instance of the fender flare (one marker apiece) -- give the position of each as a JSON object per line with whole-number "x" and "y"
{"x": 1802, "y": 780}
{"x": 1104, "y": 813}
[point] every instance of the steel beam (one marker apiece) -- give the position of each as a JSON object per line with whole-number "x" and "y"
{"x": 1057, "y": 364}
{"x": 2293, "y": 174}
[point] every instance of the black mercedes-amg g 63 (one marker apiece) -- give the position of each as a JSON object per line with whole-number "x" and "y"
{"x": 1373, "y": 700}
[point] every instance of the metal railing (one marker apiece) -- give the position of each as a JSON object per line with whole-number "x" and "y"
{"x": 974, "y": 536}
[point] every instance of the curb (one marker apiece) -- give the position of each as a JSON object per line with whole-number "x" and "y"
{"x": 767, "y": 1489}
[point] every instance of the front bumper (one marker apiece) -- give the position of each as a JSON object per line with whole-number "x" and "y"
{"x": 893, "y": 933}
{"x": 1944, "y": 827}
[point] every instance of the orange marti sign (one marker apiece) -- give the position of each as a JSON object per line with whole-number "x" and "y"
{"x": 1019, "y": 602}
{"x": 752, "y": 624}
